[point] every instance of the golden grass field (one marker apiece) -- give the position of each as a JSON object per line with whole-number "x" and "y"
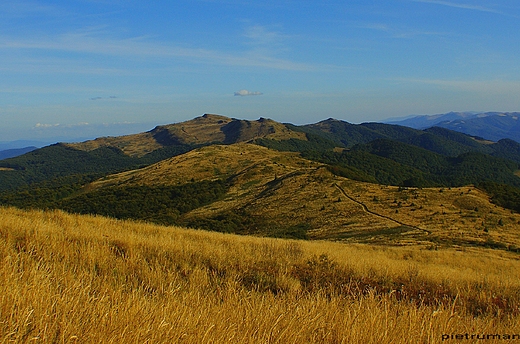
{"x": 86, "y": 279}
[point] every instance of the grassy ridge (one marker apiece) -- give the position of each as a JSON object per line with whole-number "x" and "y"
{"x": 52, "y": 165}
{"x": 74, "y": 278}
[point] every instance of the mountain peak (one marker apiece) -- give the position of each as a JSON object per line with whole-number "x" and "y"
{"x": 489, "y": 125}
{"x": 202, "y": 130}
{"x": 214, "y": 117}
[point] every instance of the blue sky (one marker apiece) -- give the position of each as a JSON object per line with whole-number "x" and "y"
{"x": 108, "y": 67}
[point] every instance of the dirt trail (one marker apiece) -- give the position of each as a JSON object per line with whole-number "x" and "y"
{"x": 365, "y": 208}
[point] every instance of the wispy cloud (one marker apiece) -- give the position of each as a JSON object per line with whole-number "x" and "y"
{"x": 45, "y": 125}
{"x": 398, "y": 32}
{"x": 23, "y": 8}
{"x": 81, "y": 131}
{"x": 98, "y": 41}
{"x": 243, "y": 93}
{"x": 261, "y": 35}
{"x": 461, "y": 5}
{"x": 58, "y": 125}
{"x": 374, "y": 26}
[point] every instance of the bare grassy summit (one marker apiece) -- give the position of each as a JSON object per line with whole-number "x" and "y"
{"x": 133, "y": 145}
{"x": 273, "y": 192}
{"x": 203, "y": 130}
{"x": 212, "y": 162}
{"x": 220, "y": 129}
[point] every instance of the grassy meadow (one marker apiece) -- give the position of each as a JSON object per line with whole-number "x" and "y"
{"x": 88, "y": 279}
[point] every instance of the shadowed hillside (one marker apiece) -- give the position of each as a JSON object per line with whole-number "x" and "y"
{"x": 94, "y": 158}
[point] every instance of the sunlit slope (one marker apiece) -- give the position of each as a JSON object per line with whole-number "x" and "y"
{"x": 271, "y": 191}
{"x": 136, "y": 145}
{"x": 203, "y": 130}
{"x": 106, "y": 155}
{"x": 220, "y": 129}
{"x": 213, "y": 162}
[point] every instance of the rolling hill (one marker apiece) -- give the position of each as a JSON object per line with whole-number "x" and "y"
{"x": 331, "y": 180}
{"x": 264, "y": 192}
{"x": 204, "y": 130}
{"x": 92, "y": 159}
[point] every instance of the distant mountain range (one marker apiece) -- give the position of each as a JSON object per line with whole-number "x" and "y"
{"x": 4, "y": 145}
{"x": 11, "y": 153}
{"x": 492, "y": 126}
{"x": 376, "y": 152}
{"x": 11, "y": 149}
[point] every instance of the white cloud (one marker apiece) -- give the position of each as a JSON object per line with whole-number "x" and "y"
{"x": 247, "y": 93}
{"x": 58, "y": 125}
{"x": 43, "y": 125}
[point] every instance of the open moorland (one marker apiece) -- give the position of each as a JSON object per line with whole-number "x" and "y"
{"x": 88, "y": 279}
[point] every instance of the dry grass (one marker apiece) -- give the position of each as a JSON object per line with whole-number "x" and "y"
{"x": 68, "y": 278}
{"x": 212, "y": 128}
{"x": 282, "y": 188}
{"x": 135, "y": 145}
{"x": 461, "y": 215}
{"x": 207, "y": 129}
{"x": 244, "y": 161}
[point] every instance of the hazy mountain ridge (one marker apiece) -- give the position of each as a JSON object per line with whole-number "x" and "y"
{"x": 322, "y": 141}
{"x": 14, "y": 152}
{"x": 4, "y": 145}
{"x": 427, "y": 121}
{"x": 330, "y": 141}
{"x": 492, "y": 126}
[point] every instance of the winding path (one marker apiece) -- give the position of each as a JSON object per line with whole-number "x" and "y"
{"x": 365, "y": 208}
